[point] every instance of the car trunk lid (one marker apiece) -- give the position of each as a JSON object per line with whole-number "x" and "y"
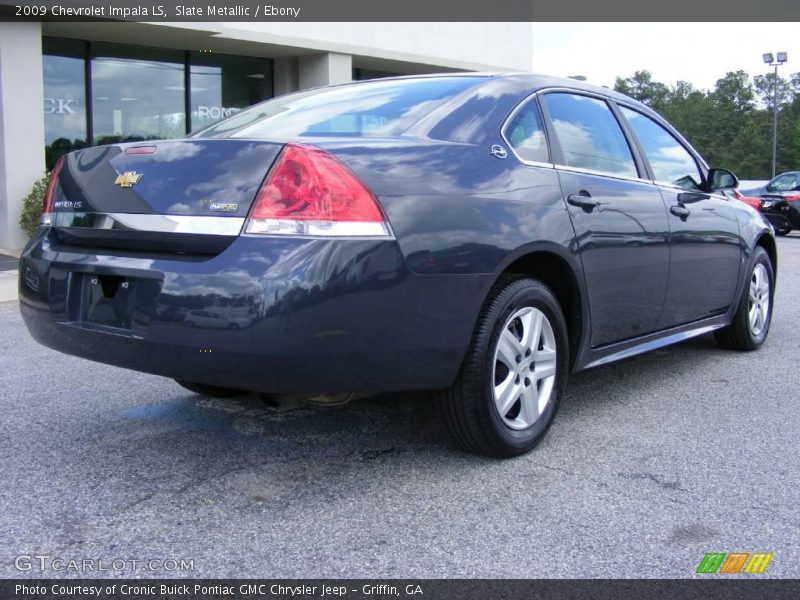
{"x": 178, "y": 195}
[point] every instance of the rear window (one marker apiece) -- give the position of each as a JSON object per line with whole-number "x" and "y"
{"x": 374, "y": 108}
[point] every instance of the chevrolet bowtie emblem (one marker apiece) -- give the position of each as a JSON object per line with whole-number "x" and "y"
{"x": 127, "y": 179}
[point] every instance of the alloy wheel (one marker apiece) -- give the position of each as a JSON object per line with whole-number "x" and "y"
{"x": 524, "y": 368}
{"x": 758, "y": 300}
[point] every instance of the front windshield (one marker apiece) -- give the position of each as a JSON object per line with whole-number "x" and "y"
{"x": 373, "y": 108}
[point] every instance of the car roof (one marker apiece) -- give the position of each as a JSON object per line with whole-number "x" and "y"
{"x": 531, "y": 81}
{"x": 528, "y": 83}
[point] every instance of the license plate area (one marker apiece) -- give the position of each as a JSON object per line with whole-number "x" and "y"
{"x": 105, "y": 300}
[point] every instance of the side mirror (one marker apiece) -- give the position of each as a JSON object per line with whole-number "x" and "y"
{"x": 721, "y": 179}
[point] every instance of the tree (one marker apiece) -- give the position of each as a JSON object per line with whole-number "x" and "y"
{"x": 730, "y": 125}
{"x": 734, "y": 92}
{"x": 643, "y": 88}
{"x": 764, "y": 88}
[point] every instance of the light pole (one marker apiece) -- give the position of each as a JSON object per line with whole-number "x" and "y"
{"x": 774, "y": 61}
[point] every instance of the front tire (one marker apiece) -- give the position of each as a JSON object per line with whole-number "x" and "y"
{"x": 750, "y": 324}
{"x": 508, "y": 390}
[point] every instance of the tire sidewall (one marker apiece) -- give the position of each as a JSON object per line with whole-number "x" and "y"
{"x": 520, "y": 294}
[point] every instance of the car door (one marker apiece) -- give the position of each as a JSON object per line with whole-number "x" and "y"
{"x": 706, "y": 249}
{"x": 619, "y": 218}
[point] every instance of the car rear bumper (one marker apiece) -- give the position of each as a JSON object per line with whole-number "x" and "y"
{"x": 783, "y": 212}
{"x": 289, "y": 316}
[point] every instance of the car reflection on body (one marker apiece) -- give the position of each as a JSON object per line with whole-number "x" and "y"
{"x": 216, "y": 318}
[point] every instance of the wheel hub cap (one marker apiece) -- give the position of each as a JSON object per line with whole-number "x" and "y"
{"x": 524, "y": 368}
{"x": 758, "y": 300}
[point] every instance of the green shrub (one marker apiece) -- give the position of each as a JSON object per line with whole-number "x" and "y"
{"x": 32, "y": 206}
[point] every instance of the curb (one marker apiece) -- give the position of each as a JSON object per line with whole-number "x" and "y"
{"x": 8, "y": 252}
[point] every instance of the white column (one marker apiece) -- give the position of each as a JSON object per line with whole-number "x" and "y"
{"x": 325, "y": 69}
{"x": 285, "y": 75}
{"x": 21, "y": 123}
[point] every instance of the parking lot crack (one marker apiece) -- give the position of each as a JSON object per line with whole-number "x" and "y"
{"x": 559, "y": 469}
{"x": 659, "y": 481}
{"x": 136, "y": 502}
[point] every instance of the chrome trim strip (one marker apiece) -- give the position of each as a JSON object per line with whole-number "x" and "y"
{"x": 581, "y": 92}
{"x": 602, "y": 174}
{"x": 192, "y": 224}
{"x": 301, "y": 228}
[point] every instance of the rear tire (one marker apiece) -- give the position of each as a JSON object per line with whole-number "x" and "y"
{"x": 510, "y": 383}
{"x": 211, "y": 390}
{"x": 750, "y": 324}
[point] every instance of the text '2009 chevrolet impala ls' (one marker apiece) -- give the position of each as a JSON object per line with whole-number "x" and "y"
{"x": 482, "y": 235}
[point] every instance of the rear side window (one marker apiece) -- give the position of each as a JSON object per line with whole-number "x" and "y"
{"x": 525, "y": 134}
{"x": 670, "y": 161}
{"x": 589, "y": 135}
{"x": 373, "y": 108}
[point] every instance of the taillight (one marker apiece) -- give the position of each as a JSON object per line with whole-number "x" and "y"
{"x": 309, "y": 192}
{"x": 47, "y": 204}
{"x": 792, "y": 198}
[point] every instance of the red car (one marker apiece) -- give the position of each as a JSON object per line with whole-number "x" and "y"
{"x": 749, "y": 200}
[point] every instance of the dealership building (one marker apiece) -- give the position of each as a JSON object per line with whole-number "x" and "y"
{"x": 70, "y": 85}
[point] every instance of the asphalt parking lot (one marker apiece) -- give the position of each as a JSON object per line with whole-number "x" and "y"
{"x": 651, "y": 463}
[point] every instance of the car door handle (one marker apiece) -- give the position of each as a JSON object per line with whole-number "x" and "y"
{"x": 583, "y": 200}
{"x": 680, "y": 211}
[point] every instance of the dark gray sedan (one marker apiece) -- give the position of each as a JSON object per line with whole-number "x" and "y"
{"x": 481, "y": 235}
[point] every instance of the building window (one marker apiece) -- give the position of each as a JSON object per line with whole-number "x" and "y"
{"x": 137, "y": 93}
{"x": 222, "y": 85}
{"x": 101, "y": 93}
{"x": 63, "y": 67}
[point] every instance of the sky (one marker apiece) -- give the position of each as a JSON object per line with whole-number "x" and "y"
{"x": 699, "y": 53}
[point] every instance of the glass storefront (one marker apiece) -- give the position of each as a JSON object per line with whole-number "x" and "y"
{"x": 63, "y": 64}
{"x": 223, "y": 85}
{"x": 139, "y": 93}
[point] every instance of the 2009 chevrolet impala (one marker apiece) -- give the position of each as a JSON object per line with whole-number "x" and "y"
{"x": 483, "y": 235}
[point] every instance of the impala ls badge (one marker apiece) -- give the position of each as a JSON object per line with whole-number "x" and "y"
{"x": 128, "y": 179}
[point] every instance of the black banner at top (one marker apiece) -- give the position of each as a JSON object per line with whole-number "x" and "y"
{"x": 400, "y": 11}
